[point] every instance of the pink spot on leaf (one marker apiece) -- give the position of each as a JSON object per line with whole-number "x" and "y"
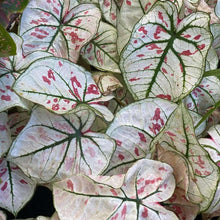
{"x": 70, "y": 185}
{"x": 159, "y": 29}
{"x": 164, "y": 71}
{"x": 201, "y": 47}
{"x": 39, "y": 36}
{"x": 51, "y": 75}
{"x": 162, "y": 96}
{"x": 118, "y": 142}
{"x": 136, "y": 151}
{"x": 78, "y": 22}
{"x": 147, "y": 67}
{"x": 55, "y": 107}
{"x": 56, "y": 10}
{"x": 3, "y": 128}
{"x": 76, "y": 83}
{"x": 134, "y": 79}
{"x": 121, "y": 157}
{"x": 140, "y": 55}
{"x": 3, "y": 188}
{"x": 143, "y": 30}
{"x": 147, "y": 6}
{"x": 92, "y": 89}
{"x": 3, "y": 171}
{"x": 23, "y": 181}
{"x": 197, "y": 37}
{"x": 128, "y": 2}
{"x": 142, "y": 137}
{"x": 145, "y": 213}
{"x": 113, "y": 192}
{"x": 160, "y": 16}
{"x": 6, "y": 97}
{"x": 91, "y": 152}
{"x": 45, "y": 79}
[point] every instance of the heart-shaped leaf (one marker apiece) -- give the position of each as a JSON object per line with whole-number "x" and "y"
{"x": 60, "y": 86}
{"x": 7, "y": 45}
{"x": 52, "y": 147}
{"x": 212, "y": 145}
{"x": 5, "y": 134}
{"x": 133, "y": 128}
{"x": 157, "y": 61}
{"x": 16, "y": 189}
{"x": 10, "y": 68}
{"x": 202, "y": 174}
{"x": 58, "y": 27}
{"x": 101, "y": 52}
{"x": 146, "y": 184}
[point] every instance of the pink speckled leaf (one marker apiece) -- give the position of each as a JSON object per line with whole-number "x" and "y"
{"x": 212, "y": 146}
{"x": 110, "y": 10}
{"x": 16, "y": 189}
{"x": 10, "y": 68}
{"x": 130, "y": 13}
{"x": 178, "y": 137}
{"x": 157, "y": 61}
{"x": 146, "y": 184}
{"x": 60, "y": 86}
{"x": 101, "y": 52}
{"x": 52, "y": 147}
{"x": 5, "y": 134}
{"x": 58, "y": 28}
{"x": 134, "y": 128}
{"x": 205, "y": 95}
{"x": 17, "y": 121}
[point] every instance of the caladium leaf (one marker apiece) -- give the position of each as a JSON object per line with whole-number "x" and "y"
{"x": 5, "y": 134}
{"x": 59, "y": 28}
{"x": 101, "y": 52}
{"x": 134, "y": 128}
{"x": 109, "y": 10}
{"x": 52, "y": 147}
{"x": 126, "y": 22}
{"x": 205, "y": 95}
{"x": 157, "y": 61}
{"x": 10, "y": 68}
{"x": 178, "y": 137}
{"x": 7, "y": 46}
{"x": 215, "y": 29}
{"x": 212, "y": 146}
{"x": 16, "y": 189}
{"x": 17, "y": 121}
{"x": 146, "y": 184}
{"x": 60, "y": 85}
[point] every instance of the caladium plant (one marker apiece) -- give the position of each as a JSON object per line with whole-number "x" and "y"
{"x": 109, "y": 104}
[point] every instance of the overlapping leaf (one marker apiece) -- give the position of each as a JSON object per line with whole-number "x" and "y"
{"x": 133, "y": 128}
{"x": 164, "y": 57}
{"x": 52, "y": 147}
{"x": 101, "y": 52}
{"x": 17, "y": 121}
{"x": 215, "y": 29}
{"x": 16, "y": 189}
{"x": 5, "y": 134}
{"x": 201, "y": 173}
{"x": 10, "y": 68}
{"x": 60, "y": 86}
{"x": 212, "y": 145}
{"x": 7, "y": 45}
{"x": 109, "y": 10}
{"x": 126, "y": 22}
{"x": 146, "y": 184}
{"x": 58, "y": 27}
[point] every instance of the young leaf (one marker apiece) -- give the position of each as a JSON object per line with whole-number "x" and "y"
{"x": 7, "y": 45}
{"x": 60, "y": 85}
{"x": 10, "y": 68}
{"x": 133, "y": 128}
{"x": 157, "y": 61}
{"x": 202, "y": 175}
{"x": 5, "y": 134}
{"x": 212, "y": 145}
{"x": 146, "y": 184}
{"x": 52, "y": 147}
{"x": 101, "y": 52}
{"x": 53, "y": 27}
{"x": 16, "y": 189}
